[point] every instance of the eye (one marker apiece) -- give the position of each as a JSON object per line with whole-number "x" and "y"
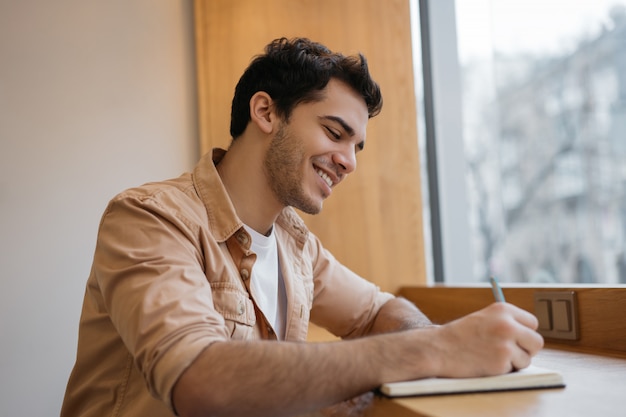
{"x": 336, "y": 135}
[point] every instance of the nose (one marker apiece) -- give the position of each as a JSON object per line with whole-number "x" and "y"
{"x": 345, "y": 159}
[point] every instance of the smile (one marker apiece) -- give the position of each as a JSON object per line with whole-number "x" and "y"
{"x": 325, "y": 177}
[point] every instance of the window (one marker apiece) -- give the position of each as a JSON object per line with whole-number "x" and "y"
{"x": 524, "y": 138}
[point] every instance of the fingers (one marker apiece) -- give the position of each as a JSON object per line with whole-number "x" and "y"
{"x": 527, "y": 337}
{"x": 520, "y": 362}
{"x": 497, "y": 339}
{"x": 518, "y": 330}
{"x": 494, "y": 340}
{"x": 524, "y": 317}
{"x": 529, "y": 343}
{"x": 521, "y": 316}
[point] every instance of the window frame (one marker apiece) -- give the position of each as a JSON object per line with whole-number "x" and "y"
{"x": 443, "y": 131}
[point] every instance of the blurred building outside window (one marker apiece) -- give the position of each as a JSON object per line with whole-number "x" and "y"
{"x": 543, "y": 110}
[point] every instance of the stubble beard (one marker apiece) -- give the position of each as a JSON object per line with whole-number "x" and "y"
{"x": 283, "y": 163}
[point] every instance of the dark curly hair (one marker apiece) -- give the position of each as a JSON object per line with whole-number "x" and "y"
{"x": 294, "y": 71}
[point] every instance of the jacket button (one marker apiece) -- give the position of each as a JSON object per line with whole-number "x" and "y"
{"x": 245, "y": 274}
{"x": 240, "y": 308}
{"x": 242, "y": 238}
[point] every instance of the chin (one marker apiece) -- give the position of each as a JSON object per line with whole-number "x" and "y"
{"x": 312, "y": 211}
{"x": 310, "y": 208}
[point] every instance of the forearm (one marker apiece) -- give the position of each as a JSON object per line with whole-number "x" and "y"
{"x": 262, "y": 378}
{"x": 398, "y": 314}
{"x": 267, "y": 378}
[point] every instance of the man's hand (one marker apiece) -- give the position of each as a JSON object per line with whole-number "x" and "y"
{"x": 495, "y": 340}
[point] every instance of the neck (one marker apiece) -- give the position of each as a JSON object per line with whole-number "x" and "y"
{"x": 241, "y": 171}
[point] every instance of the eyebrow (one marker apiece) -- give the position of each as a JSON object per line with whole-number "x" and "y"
{"x": 349, "y": 130}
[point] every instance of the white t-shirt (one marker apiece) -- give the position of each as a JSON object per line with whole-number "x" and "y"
{"x": 267, "y": 284}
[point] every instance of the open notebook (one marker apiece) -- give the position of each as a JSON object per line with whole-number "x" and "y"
{"x": 532, "y": 377}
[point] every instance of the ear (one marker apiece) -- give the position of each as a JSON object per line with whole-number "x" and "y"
{"x": 262, "y": 111}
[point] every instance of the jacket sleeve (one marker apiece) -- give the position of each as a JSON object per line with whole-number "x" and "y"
{"x": 343, "y": 303}
{"x": 149, "y": 278}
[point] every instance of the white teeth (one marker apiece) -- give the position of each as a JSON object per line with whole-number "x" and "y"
{"x": 325, "y": 178}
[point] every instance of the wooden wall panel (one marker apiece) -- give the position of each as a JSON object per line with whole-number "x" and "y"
{"x": 601, "y": 310}
{"x": 373, "y": 222}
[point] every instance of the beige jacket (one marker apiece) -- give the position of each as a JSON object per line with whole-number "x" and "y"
{"x": 170, "y": 276}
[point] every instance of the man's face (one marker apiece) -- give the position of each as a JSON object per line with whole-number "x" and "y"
{"x": 315, "y": 151}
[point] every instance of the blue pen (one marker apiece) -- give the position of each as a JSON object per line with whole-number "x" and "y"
{"x": 497, "y": 291}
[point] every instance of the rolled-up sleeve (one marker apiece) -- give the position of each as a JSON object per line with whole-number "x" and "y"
{"x": 148, "y": 270}
{"x": 344, "y": 303}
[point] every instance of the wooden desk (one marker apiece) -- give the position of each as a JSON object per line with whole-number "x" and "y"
{"x": 596, "y": 386}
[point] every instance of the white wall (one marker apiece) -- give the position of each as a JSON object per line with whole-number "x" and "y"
{"x": 95, "y": 96}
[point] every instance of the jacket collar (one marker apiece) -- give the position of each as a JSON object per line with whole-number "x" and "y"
{"x": 222, "y": 217}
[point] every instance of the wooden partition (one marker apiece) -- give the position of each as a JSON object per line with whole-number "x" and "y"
{"x": 601, "y": 310}
{"x": 373, "y": 222}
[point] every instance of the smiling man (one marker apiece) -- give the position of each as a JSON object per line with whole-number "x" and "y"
{"x": 202, "y": 287}
{"x": 296, "y": 162}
